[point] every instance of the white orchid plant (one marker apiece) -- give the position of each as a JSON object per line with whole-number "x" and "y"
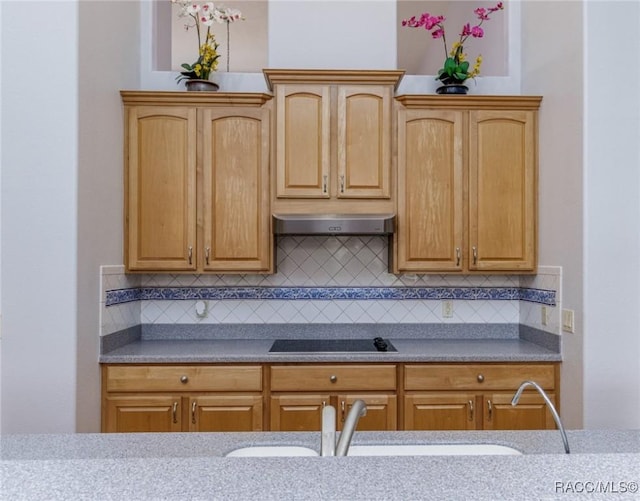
{"x": 198, "y": 16}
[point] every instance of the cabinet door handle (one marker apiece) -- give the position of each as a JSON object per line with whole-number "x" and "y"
{"x": 342, "y": 410}
{"x": 490, "y": 409}
{"x": 458, "y": 256}
{"x": 471, "y": 410}
{"x": 190, "y": 255}
{"x": 207, "y": 251}
{"x": 193, "y": 411}
{"x": 324, "y": 404}
{"x": 175, "y": 412}
{"x": 475, "y": 254}
{"x": 342, "y": 183}
{"x": 324, "y": 184}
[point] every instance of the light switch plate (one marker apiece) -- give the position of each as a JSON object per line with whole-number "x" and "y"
{"x": 568, "y": 321}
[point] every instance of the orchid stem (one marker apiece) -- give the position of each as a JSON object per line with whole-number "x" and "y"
{"x": 228, "y": 47}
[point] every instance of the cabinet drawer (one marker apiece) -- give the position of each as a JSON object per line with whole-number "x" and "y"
{"x": 477, "y": 376}
{"x": 333, "y": 377}
{"x": 183, "y": 378}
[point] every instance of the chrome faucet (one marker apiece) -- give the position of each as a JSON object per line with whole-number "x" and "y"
{"x": 358, "y": 409}
{"x": 328, "y": 436}
{"x": 552, "y": 408}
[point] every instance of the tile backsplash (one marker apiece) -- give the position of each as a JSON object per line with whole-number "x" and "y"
{"x": 327, "y": 279}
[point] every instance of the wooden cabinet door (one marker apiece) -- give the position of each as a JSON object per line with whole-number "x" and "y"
{"x": 531, "y": 413}
{"x": 225, "y": 413}
{"x": 302, "y": 412}
{"x": 430, "y": 190}
{"x": 502, "y": 190}
{"x": 364, "y": 141}
{"x": 382, "y": 411}
{"x": 440, "y": 411}
{"x": 158, "y": 413}
{"x": 303, "y": 125}
{"x": 160, "y": 188}
{"x": 235, "y": 157}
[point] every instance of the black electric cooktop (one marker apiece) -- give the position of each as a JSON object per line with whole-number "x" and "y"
{"x": 331, "y": 345}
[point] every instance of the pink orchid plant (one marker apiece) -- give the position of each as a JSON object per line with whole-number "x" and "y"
{"x": 456, "y": 66}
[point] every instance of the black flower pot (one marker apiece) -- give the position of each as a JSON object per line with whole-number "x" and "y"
{"x": 454, "y": 88}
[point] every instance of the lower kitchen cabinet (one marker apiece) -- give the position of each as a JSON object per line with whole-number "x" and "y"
{"x": 531, "y": 413}
{"x": 225, "y": 413}
{"x": 297, "y": 412}
{"x": 412, "y": 396}
{"x": 440, "y": 411}
{"x": 150, "y": 413}
{"x": 299, "y": 393}
{"x": 303, "y": 412}
{"x": 477, "y": 397}
{"x": 147, "y": 398}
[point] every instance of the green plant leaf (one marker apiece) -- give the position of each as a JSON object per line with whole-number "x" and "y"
{"x": 449, "y": 65}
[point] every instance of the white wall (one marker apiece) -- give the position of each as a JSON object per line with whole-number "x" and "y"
{"x": 61, "y": 203}
{"x": 612, "y": 215}
{"x": 39, "y": 214}
{"x": 552, "y": 68}
{"x": 0, "y": 221}
{"x": 100, "y": 177}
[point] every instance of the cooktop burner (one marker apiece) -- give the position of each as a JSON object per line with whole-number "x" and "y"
{"x": 331, "y": 345}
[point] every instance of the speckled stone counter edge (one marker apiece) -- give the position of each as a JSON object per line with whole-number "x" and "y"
{"x": 175, "y": 332}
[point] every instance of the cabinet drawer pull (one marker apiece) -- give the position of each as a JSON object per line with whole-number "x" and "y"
{"x": 175, "y": 412}
{"x": 207, "y": 251}
{"x": 333, "y": 378}
{"x": 184, "y": 379}
{"x": 475, "y": 254}
{"x": 458, "y": 257}
{"x": 480, "y": 378}
{"x": 470, "y": 410}
{"x": 193, "y": 411}
{"x": 490, "y": 409}
{"x": 190, "y": 255}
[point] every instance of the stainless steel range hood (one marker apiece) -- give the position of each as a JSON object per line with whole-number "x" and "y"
{"x": 333, "y": 224}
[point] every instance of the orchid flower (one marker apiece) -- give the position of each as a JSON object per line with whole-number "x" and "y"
{"x": 456, "y": 68}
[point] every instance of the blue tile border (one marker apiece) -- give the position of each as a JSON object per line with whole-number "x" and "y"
{"x": 120, "y": 296}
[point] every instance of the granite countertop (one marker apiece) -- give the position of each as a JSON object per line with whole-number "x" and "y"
{"x": 479, "y": 343}
{"x": 193, "y": 466}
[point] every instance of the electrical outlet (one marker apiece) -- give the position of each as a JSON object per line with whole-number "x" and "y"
{"x": 447, "y": 309}
{"x": 544, "y": 315}
{"x": 202, "y": 309}
{"x": 568, "y": 321}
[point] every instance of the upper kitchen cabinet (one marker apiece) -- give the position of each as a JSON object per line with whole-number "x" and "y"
{"x": 333, "y": 144}
{"x": 197, "y": 182}
{"x": 467, "y": 184}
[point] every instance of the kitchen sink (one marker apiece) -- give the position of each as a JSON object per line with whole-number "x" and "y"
{"x": 382, "y": 450}
{"x": 331, "y": 345}
{"x": 431, "y": 450}
{"x": 273, "y": 451}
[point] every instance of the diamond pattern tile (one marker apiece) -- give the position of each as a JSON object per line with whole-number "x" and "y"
{"x": 332, "y": 261}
